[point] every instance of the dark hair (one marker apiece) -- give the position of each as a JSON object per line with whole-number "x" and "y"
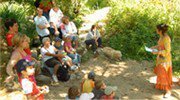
{"x": 98, "y": 84}
{"x": 10, "y": 23}
{"x": 73, "y": 92}
{"x": 64, "y": 18}
{"x": 162, "y": 27}
{"x": 92, "y": 27}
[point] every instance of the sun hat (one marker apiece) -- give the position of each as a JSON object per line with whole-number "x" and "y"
{"x": 86, "y": 96}
{"x": 22, "y": 64}
{"x": 110, "y": 89}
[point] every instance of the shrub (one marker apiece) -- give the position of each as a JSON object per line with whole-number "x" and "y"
{"x": 132, "y": 25}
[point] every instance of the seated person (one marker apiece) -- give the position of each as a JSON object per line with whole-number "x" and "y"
{"x": 12, "y": 26}
{"x": 69, "y": 28}
{"x": 32, "y": 91}
{"x": 65, "y": 59}
{"x": 93, "y": 38}
{"x": 99, "y": 89}
{"x": 49, "y": 57}
{"x": 73, "y": 93}
{"x": 55, "y": 15}
{"x": 109, "y": 93}
{"x": 88, "y": 85}
{"x": 20, "y": 42}
{"x": 41, "y": 25}
{"x": 71, "y": 52}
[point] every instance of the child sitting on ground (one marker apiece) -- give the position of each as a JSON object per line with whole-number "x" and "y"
{"x": 32, "y": 91}
{"x": 88, "y": 84}
{"x": 99, "y": 89}
{"x": 64, "y": 59}
{"x": 109, "y": 93}
{"x": 73, "y": 93}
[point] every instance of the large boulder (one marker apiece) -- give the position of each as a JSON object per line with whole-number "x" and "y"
{"x": 110, "y": 53}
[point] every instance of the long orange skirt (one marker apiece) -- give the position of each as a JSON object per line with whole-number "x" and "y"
{"x": 164, "y": 78}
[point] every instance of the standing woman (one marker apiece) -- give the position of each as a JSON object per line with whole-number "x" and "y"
{"x": 163, "y": 68}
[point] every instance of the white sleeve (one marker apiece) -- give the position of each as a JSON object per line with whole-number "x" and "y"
{"x": 36, "y": 21}
{"x": 51, "y": 18}
{"x": 74, "y": 29}
{"x": 27, "y": 86}
{"x": 60, "y": 13}
{"x": 43, "y": 51}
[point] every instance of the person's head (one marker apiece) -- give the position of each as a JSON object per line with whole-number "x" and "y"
{"x": 73, "y": 92}
{"x": 161, "y": 29}
{"x": 25, "y": 67}
{"x": 99, "y": 84}
{"x": 46, "y": 41}
{"x": 65, "y": 20}
{"x": 21, "y": 40}
{"x": 11, "y": 25}
{"x": 110, "y": 91}
{"x": 93, "y": 27}
{"x": 67, "y": 38}
{"x": 57, "y": 41}
{"x": 39, "y": 11}
{"x": 91, "y": 75}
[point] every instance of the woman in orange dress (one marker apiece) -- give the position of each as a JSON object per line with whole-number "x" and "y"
{"x": 163, "y": 68}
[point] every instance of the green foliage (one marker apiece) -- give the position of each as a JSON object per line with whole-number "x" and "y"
{"x": 97, "y": 4}
{"x": 132, "y": 25}
{"x": 19, "y": 13}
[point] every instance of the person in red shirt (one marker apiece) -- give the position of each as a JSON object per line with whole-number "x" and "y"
{"x": 12, "y": 26}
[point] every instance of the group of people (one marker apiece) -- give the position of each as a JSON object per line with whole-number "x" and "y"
{"x": 52, "y": 25}
{"x": 92, "y": 89}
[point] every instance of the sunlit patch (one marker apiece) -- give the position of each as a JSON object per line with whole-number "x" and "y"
{"x": 63, "y": 94}
{"x": 153, "y": 79}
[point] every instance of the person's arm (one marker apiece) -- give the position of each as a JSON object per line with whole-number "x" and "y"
{"x": 68, "y": 50}
{"x": 74, "y": 29}
{"x": 12, "y": 62}
{"x": 167, "y": 46}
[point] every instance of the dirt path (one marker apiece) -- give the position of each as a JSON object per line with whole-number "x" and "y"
{"x": 131, "y": 78}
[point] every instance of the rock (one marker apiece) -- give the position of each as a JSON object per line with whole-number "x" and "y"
{"x": 43, "y": 79}
{"x": 111, "y": 53}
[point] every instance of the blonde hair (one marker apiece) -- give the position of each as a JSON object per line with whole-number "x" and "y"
{"x": 64, "y": 19}
{"x": 19, "y": 38}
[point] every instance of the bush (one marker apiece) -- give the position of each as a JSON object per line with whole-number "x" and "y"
{"x": 19, "y": 13}
{"x": 97, "y": 4}
{"x": 132, "y": 25}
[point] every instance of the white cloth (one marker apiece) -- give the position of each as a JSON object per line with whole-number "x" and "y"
{"x": 51, "y": 50}
{"x": 70, "y": 28}
{"x": 56, "y": 17}
{"x": 86, "y": 96}
{"x": 27, "y": 86}
{"x": 41, "y": 21}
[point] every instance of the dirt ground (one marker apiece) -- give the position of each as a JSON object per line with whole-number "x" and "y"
{"x": 133, "y": 79}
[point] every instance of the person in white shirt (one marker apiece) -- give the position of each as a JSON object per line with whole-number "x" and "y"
{"x": 69, "y": 28}
{"x": 41, "y": 25}
{"x": 55, "y": 15}
{"x": 49, "y": 56}
{"x": 93, "y": 38}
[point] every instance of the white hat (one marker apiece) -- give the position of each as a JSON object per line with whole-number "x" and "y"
{"x": 86, "y": 96}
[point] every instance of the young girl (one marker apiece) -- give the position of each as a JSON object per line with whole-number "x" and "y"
{"x": 64, "y": 59}
{"x": 71, "y": 52}
{"x": 32, "y": 91}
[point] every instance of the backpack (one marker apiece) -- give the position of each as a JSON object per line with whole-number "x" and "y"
{"x": 63, "y": 74}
